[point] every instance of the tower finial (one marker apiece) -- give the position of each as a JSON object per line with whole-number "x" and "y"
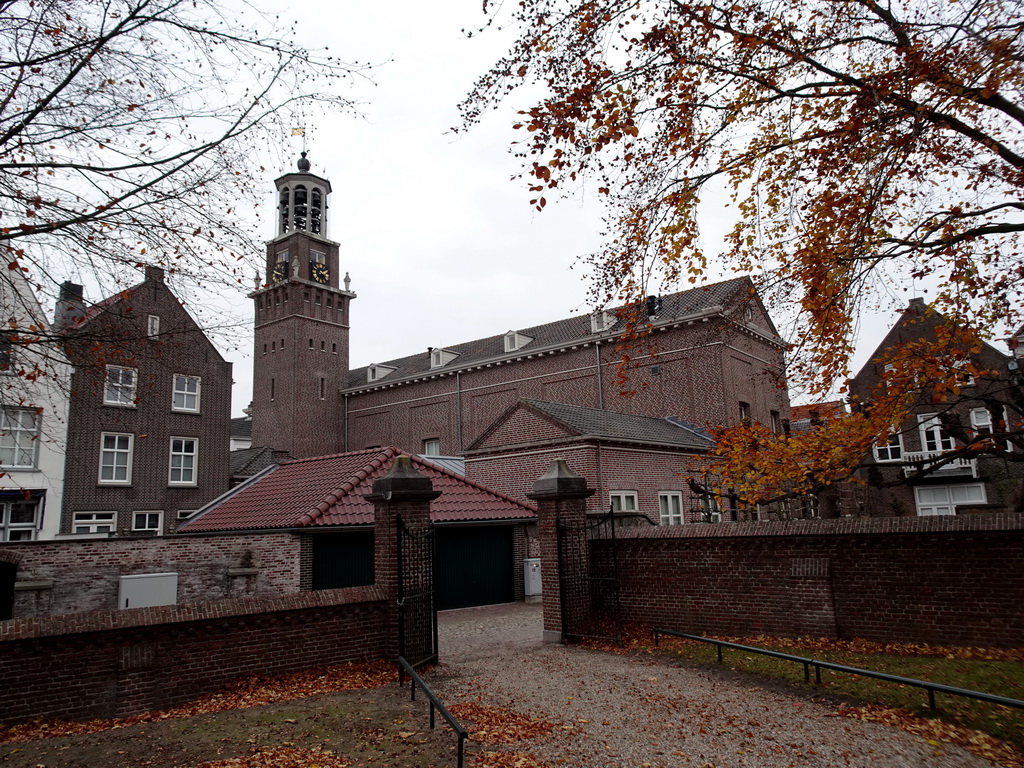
{"x": 304, "y": 164}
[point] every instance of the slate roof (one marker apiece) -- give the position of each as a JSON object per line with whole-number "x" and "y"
{"x": 246, "y": 462}
{"x": 328, "y": 491}
{"x": 241, "y": 426}
{"x": 613, "y": 425}
{"x": 577, "y": 328}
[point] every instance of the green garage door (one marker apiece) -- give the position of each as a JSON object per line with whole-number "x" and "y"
{"x": 342, "y": 559}
{"x": 474, "y": 566}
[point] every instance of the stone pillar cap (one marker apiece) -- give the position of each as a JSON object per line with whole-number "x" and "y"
{"x": 403, "y": 481}
{"x": 560, "y": 482}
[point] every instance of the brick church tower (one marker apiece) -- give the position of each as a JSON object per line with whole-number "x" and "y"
{"x": 302, "y": 324}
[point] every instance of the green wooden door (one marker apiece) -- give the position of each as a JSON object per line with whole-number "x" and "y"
{"x": 474, "y": 566}
{"x": 342, "y": 559}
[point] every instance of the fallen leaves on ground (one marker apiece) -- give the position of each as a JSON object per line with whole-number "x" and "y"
{"x": 507, "y": 760}
{"x": 498, "y": 725}
{"x": 281, "y": 757}
{"x": 936, "y": 731}
{"x": 246, "y": 692}
{"x": 640, "y": 638}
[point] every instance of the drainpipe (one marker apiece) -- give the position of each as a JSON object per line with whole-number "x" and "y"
{"x": 345, "y": 420}
{"x": 600, "y": 384}
{"x": 458, "y": 405}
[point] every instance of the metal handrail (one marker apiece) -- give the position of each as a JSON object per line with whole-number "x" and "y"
{"x": 819, "y": 665}
{"x": 435, "y": 703}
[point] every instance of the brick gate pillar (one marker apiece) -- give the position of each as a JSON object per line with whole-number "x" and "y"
{"x": 561, "y": 499}
{"x": 402, "y": 492}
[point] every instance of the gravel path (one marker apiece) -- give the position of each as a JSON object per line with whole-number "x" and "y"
{"x": 642, "y": 712}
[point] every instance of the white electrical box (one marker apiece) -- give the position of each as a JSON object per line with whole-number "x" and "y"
{"x": 531, "y": 576}
{"x": 147, "y": 589}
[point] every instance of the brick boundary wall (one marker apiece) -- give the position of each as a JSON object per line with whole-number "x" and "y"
{"x": 940, "y": 580}
{"x": 74, "y": 576}
{"x": 118, "y": 663}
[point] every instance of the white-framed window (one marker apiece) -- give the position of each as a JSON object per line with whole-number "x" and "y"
{"x": 186, "y": 393}
{"x": 744, "y": 410}
{"x": 432, "y": 447}
{"x": 776, "y": 421}
{"x": 116, "y": 458}
{"x": 120, "y": 386}
{"x": 8, "y": 358}
{"x": 184, "y": 451}
{"x": 891, "y": 449}
{"x": 887, "y": 372}
{"x": 933, "y": 438}
{"x": 623, "y": 501}
{"x": 19, "y": 432}
{"x": 185, "y": 514}
{"x": 710, "y": 509}
{"x": 19, "y": 519}
{"x": 94, "y": 522}
{"x": 148, "y": 520}
{"x": 153, "y": 326}
{"x": 670, "y": 503}
{"x": 942, "y": 499}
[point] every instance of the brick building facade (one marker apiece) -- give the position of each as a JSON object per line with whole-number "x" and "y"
{"x": 712, "y": 356}
{"x": 149, "y": 412}
{"x": 981, "y": 483}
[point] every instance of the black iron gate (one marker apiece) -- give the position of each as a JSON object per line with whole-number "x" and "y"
{"x": 417, "y": 607}
{"x": 589, "y": 580}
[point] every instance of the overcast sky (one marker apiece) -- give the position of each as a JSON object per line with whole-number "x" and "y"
{"x": 442, "y": 247}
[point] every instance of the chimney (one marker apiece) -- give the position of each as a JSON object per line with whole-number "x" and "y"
{"x": 917, "y": 306}
{"x": 156, "y": 274}
{"x": 70, "y": 305}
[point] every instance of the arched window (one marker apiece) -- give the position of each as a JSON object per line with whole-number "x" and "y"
{"x": 316, "y": 211}
{"x": 283, "y": 209}
{"x": 299, "y": 207}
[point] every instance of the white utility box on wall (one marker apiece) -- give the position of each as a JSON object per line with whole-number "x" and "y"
{"x": 531, "y": 576}
{"x": 147, "y": 589}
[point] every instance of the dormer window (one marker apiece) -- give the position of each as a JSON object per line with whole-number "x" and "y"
{"x": 441, "y": 357}
{"x": 515, "y": 340}
{"x": 375, "y": 372}
{"x": 602, "y": 321}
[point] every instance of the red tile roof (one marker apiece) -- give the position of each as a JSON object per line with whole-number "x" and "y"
{"x": 328, "y": 491}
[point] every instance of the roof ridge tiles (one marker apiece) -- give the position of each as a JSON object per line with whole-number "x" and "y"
{"x": 467, "y": 481}
{"x": 336, "y": 494}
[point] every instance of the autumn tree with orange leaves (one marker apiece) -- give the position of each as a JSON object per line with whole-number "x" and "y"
{"x": 863, "y": 143}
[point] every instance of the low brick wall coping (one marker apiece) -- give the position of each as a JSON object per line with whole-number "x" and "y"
{"x": 997, "y": 521}
{"x": 102, "y": 621}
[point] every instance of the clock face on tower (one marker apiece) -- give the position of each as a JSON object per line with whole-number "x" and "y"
{"x": 320, "y": 272}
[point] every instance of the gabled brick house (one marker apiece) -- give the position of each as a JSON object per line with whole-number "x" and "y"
{"x": 970, "y": 484}
{"x": 480, "y": 533}
{"x": 149, "y": 414}
{"x": 635, "y": 463}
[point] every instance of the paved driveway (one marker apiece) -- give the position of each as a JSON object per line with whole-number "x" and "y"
{"x": 633, "y": 710}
